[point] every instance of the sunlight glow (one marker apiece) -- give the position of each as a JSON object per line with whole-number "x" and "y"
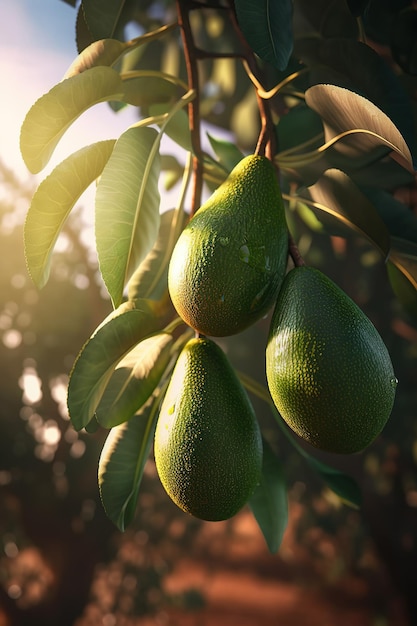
{"x": 31, "y": 385}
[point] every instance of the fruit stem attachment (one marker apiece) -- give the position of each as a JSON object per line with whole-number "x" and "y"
{"x": 294, "y": 252}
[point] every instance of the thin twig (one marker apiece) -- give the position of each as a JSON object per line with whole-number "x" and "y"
{"x": 183, "y": 9}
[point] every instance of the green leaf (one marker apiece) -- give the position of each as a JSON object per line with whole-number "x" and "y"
{"x": 53, "y": 201}
{"x": 267, "y": 26}
{"x": 111, "y": 341}
{"x": 53, "y": 113}
{"x": 177, "y": 128}
{"x": 336, "y": 194}
{"x": 150, "y": 280}
{"x": 134, "y": 380}
{"x": 127, "y": 207}
{"x": 103, "y": 16}
{"x": 122, "y": 462}
{"x": 143, "y": 88}
{"x": 353, "y": 64}
{"x": 100, "y": 53}
{"x": 344, "y": 111}
{"x": 227, "y": 152}
{"x": 269, "y": 502}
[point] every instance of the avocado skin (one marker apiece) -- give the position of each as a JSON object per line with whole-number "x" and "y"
{"x": 229, "y": 262}
{"x": 328, "y": 370}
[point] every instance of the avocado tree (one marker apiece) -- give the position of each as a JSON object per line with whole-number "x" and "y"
{"x": 297, "y": 86}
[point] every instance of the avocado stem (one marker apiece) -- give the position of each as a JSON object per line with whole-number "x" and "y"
{"x": 294, "y": 252}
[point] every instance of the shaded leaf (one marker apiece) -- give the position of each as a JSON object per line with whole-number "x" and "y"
{"x": 53, "y": 201}
{"x": 269, "y": 502}
{"x": 323, "y": 18}
{"x": 340, "y": 483}
{"x": 134, "y": 380}
{"x": 53, "y": 113}
{"x": 150, "y": 280}
{"x": 354, "y": 65}
{"x": 336, "y": 194}
{"x": 400, "y": 220}
{"x": 84, "y": 37}
{"x": 227, "y": 152}
{"x": 111, "y": 341}
{"x": 103, "y": 16}
{"x": 343, "y": 485}
{"x": 122, "y": 462}
{"x": 267, "y": 26}
{"x": 404, "y": 256}
{"x": 127, "y": 207}
{"x": 403, "y": 289}
{"x": 404, "y": 40}
{"x": 343, "y": 110}
{"x": 299, "y": 129}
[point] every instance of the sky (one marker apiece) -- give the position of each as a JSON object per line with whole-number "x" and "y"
{"x": 37, "y": 45}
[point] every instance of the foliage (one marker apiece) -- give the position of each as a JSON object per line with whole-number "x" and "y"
{"x": 302, "y": 84}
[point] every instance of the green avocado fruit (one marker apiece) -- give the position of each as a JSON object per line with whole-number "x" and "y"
{"x": 328, "y": 370}
{"x": 208, "y": 445}
{"x": 230, "y": 260}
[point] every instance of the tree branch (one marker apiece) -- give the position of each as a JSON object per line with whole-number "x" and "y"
{"x": 191, "y": 54}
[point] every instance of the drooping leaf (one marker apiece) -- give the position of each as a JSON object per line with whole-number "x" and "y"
{"x": 227, "y": 152}
{"x": 343, "y": 110}
{"x": 269, "y": 502}
{"x": 150, "y": 280}
{"x": 337, "y": 195}
{"x": 134, "y": 380}
{"x": 127, "y": 207}
{"x": 53, "y": 201}
{"x": 53, "y": 113}
{"x": 356, "y": 66}
{"x": 267, "y": 26}
{"x": 111, "y": 341}
{"x": 103, "y": 16}
{"x": 103, "y": 52}
{"x": 122, "y": 462}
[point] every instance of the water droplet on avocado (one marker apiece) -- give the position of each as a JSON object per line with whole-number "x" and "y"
{"x": 394, "y": 381}
{"x": 171, "y": 409}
